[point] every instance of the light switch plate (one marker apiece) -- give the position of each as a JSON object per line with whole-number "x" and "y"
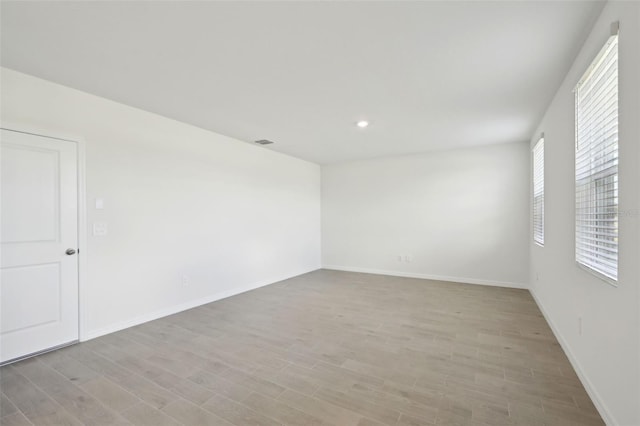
{"x": 99, "y": 204}
{"x": 99, "y": 229}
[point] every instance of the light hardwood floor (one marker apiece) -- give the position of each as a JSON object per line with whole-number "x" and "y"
{"x": 324, "y": 348}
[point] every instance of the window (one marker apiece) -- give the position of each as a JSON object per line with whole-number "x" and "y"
{"x": 538, "y": 192}
{"x": 597, "y": 164}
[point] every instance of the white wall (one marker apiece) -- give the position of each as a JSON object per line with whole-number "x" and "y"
{"x": 461, "y": 215}
{"x": 178, "y": 200}
{"x": 606, "y": 355}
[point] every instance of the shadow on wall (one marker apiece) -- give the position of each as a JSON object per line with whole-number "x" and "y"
{"x": 461, "y": 213}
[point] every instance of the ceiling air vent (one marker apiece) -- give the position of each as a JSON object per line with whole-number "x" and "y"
{"x": 264, "y": 142}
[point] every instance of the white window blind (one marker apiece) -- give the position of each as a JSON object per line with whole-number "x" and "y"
{"x": 538, "y": 192}
{"x": 597, "y": 164}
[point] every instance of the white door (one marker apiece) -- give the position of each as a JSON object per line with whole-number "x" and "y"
{"x": 39, "y": 278}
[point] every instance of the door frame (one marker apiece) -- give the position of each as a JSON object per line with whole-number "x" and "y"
{"x": 82, "y": 210}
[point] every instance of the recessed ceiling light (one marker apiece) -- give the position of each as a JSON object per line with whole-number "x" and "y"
{"x": 362, "y": 124}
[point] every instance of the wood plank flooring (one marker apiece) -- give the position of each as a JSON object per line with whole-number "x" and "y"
{"x": 324, "y": 348}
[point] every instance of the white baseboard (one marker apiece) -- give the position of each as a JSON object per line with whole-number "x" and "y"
{"x": 160, "y": 313}
{"x": 427, "y": 276}
{"x": 588, "y": 386}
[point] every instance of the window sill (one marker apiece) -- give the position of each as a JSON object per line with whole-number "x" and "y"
{"x": 599, "y": 275}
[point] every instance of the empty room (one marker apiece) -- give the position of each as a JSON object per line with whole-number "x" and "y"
{"x": 347, "y": 213}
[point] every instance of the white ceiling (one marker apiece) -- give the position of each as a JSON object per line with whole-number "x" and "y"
{"x": 427, "y": 75}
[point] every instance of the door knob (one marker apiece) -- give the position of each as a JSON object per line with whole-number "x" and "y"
{"x": 70, "y": 251}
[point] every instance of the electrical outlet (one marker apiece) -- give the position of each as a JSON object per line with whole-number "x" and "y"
{"x": 400, "y": 258}
{"x": 580, "y": 326}
{"x": 99, "y": 229}
{"x": 185, "y": 280}
{"x": 408, "y": 258}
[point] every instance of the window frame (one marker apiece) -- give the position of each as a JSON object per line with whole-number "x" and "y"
{"x": 591, "y": 185}
{"x": 538, "y": 173}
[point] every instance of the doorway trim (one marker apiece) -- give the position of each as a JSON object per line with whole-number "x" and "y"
{"x": 82, "y": 211}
